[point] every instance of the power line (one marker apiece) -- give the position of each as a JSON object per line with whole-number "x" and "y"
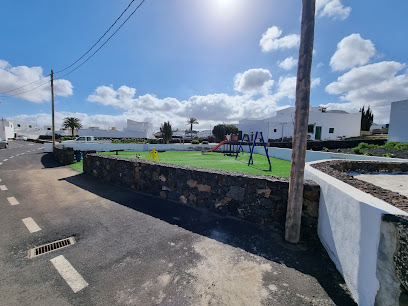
{"x": 4, "y": 92}
{"x": 18, "y": 94}
{"x": 59, "y": 71}
{"x": 134, "y": 11}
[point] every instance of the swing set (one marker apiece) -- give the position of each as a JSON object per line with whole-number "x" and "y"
{"x": 251, "y": 141}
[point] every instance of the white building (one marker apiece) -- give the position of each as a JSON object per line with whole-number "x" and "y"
{"x": 133, "y": 129}
{"x": 323, "y": 124}
{"x": 398, "y": 129}
{"x": 6, "y": 129}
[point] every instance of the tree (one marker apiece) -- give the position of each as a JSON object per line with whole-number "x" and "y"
{"x": 166, "y": 131}
{"x": 220, "y": 130}
{"x": 72, "y": 123}
{"x": 192, "y": 121}
{"x": 367, "y": 118}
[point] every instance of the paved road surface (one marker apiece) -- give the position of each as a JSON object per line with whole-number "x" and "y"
{"x": 134, "y": 249}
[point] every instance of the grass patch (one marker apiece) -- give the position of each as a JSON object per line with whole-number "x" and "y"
{"x": 77, "y": 166}
{"x": 218, "y": 161}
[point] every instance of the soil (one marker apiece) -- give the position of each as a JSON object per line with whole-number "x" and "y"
{"x": 388, "y": 196}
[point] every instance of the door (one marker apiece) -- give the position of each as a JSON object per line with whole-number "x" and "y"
{"x": 318, "y": 135}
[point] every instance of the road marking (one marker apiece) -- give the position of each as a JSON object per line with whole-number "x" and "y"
{"x": 1, "y": 164}
{"x": 11, "y": 157}
{"x": 3, "y": 187}
{"x": 12, "y": 200}
{"x": 0, "y": 180}
{"x": 5, "y": 159}
{"x": 31, "y": 225}
{"x": 69, "y": 274}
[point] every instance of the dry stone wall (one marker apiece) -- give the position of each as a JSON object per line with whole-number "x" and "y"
{"x": 259, "y": 199}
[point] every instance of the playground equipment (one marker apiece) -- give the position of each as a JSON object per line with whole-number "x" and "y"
{"x": 229, "y": 142}
{"x": 153, "y": 155}
{"x": 251, "y": 144}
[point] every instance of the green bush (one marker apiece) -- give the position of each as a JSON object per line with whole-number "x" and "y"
{"x": 388, "y": 154}
{"x": 357, "y": 150}
{"x": 401, "y": 146}
{"x": 325, "y": 149}
{"x": 153, "y": 141}
{"x": 390, "y": 145}
{"x": 195, "y": 142}
{"x": 204, "y": 142}
{"x": 368, "y": 154}
{"x": 340, "y": 151}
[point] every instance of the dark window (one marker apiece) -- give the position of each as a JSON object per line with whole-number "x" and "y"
{"x": 18, "y": 125}
{"x": 310, "y": 128}
{"x": 275, "y": 130}
{"x": 331, "y": 130}
{"x": 48, "y": 129}
{"x": 29, "y": 126}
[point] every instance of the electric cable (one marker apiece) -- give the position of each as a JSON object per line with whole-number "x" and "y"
{"x": 4, "y": 92}
{"x": 18, "y": 94}
{"x": 134, "y": 11}
{"x": 106, "y": 32}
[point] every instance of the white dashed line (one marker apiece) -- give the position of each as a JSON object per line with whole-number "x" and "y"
{"x": 0, "y": 180}
{"x": 12, "y": 201}
{"x": 3, "y": 187}
{"x": 31, "y": 225}
{"x": 1, "y": 164}
{"x": 69, "y": 274}
{"x": 5, "y": 159}
{"x": 11, "y": 157}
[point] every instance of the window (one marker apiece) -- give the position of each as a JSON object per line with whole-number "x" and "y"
{"x": 29, "y": 126}
{"x": 275, "y": 130}
{"x": 331, "y": 130}
{"x": 18, "y": 125}
{"x": 48, "y": 129}
{"x": 310, "y": 128}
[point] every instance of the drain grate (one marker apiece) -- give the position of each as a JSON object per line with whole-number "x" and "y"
{"x": 50, "y": 247}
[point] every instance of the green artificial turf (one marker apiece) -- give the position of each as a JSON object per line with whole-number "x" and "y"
{"x": 77, "y": 166}
{"x": 217, "y": 161}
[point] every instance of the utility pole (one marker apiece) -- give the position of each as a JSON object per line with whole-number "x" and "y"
{"x": 297, "y": 170}
{"x": 53, "y": 116}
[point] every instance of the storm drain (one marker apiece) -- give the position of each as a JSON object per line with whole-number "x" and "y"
{"x": 50, "y": 247}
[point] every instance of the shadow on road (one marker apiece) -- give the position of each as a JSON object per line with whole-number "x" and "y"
{"x": 311, "y": 261}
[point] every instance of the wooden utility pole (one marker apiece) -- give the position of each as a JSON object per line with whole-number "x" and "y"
{"x": 299, "y": 144}
{"x": 53, "y": 116}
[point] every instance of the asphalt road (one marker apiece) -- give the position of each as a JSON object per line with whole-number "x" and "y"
{"x": 133, "y": 249}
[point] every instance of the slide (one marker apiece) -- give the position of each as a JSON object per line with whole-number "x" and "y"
{"x": 216, "y": 147}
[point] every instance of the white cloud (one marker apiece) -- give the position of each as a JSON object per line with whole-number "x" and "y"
{"x": 376, "y": 85}
{"x": 270, "y": 40}
{"x": 288, "y": 63}
{"x": 315, "y": 82}
{"x": 253, "y": 81}
{"x": 352, "y": 51}
{"x": 332, "y": 9}
{"x": 15, "y": 77}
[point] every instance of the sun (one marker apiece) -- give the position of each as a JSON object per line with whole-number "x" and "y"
{"x": 223, "y": 4}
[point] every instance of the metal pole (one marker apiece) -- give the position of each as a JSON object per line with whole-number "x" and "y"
{"x": 53, "y": 116}
{"x": 295, "y": 199}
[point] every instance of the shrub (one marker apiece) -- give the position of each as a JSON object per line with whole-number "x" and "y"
{"x": 368, "y": 154}
{"x": 357, "y": 150}
{"x": 325, "y": 149}
{"x": 204, "y": 142}
{"x": 195, "y": 142}
{"x": 152, "y": 141}
{"x": 390, "y": 145}
{"x": 388, "y": 154}
{"x": 340, "y": 151}
{"x": 401, "y": 146}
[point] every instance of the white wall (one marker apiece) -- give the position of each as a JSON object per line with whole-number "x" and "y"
{"x": 349, "y": 228}
{"x": 113, "y": 134}
{"x": 6, "y": 129}
{"x": 398, "y": 129}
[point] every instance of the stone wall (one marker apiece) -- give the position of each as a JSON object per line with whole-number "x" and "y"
{"x": 259, "y": 199}
{"x": 64, "y": 156}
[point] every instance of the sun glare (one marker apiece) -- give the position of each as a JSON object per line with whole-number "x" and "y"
{"x": 224, "y": 3}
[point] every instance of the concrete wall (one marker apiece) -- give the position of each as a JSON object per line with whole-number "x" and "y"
{"x": 350, "y": 229}
{"x": 255, "y": 198}
{"x": 6, "y": 129}
{"x": 398, "y": 129}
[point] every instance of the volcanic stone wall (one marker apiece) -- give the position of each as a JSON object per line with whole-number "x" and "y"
{"x": 259, "y": 199}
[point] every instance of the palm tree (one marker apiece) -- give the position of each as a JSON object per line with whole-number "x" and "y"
{"x": 192, "y": 121}
{"x": 72, "y": 123}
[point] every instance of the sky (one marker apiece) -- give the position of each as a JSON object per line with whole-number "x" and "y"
{"x": 214, "y": 60}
